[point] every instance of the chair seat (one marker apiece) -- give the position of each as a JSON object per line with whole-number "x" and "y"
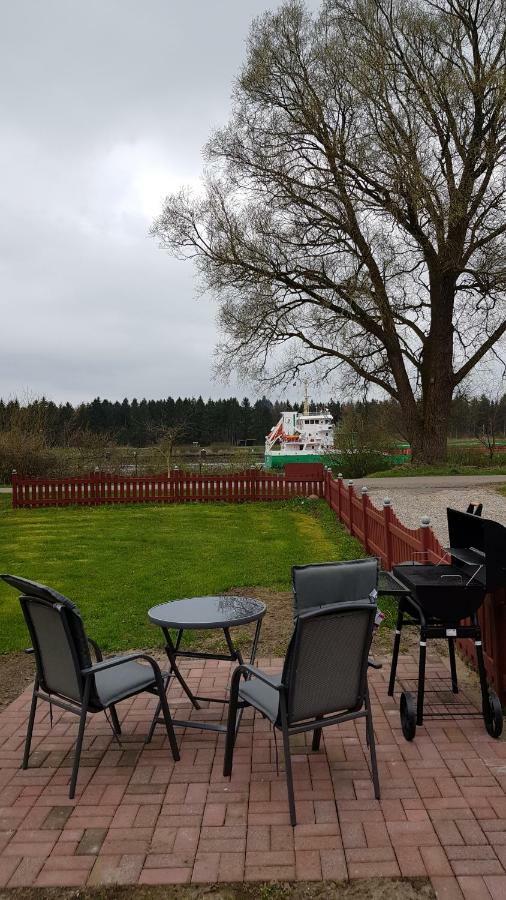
{"x": 262, "y": 696}
{"x": 118, "y": 682}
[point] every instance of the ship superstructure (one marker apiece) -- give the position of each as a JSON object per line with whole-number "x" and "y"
{"x": 299, "y": 437}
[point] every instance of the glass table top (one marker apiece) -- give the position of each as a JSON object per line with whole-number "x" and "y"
{"x": 207, "y": 612}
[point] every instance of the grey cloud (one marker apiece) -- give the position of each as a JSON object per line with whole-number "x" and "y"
{"x": 105, "y": 108}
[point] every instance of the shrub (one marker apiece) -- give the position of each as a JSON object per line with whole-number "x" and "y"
{"x": 27, "y": 453}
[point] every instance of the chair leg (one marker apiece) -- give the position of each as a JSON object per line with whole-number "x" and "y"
{"x": 317, "y": 734}
{"x": 168, "y": 719}
{"x": 154, "y": 723}
{"x": 231, "y": 725}
{"x": 372, "y": 747}
{"x": 288, "y": 770}
{"x": 77, "y": 752}
{"x": 115, "y": 720}
{"x": 31, "y": 720}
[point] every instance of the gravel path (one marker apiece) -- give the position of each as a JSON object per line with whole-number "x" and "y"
{"x": 410, "y": 505}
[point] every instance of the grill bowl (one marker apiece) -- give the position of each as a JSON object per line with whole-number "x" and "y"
{"x": 442, "y": 591}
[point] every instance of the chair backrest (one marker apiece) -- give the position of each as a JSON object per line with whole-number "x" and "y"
{"x": 321, "y": 584}
{"x": 325, "y": 669}
{"x": 58, "y": 637}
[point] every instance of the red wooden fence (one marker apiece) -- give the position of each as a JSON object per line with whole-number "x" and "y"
{"x": 97, "y": 489}
{"x": 379, "y": 530}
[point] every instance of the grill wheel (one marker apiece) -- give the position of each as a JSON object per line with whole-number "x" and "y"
{"x": 408, "y": 715}
{"x": 494, "y": 719}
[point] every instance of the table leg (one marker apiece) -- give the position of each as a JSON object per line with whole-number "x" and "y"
{"x": 254, "y": 645}
{"x": 171, "y": 651}
{"x": 235, "y": 655}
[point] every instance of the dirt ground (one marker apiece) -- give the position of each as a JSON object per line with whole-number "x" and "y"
{"x": 364, "y": 889}
{"x": 16, "y": 673}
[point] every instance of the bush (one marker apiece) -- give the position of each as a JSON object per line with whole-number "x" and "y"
{"x": 360, "y": 448}
{"x": 472, "y": 456}
{"x": 357, "y": 463}
{"x": 27, "y": 453}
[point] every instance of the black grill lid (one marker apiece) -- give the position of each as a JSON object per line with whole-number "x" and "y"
{"x": 479, "y": 542}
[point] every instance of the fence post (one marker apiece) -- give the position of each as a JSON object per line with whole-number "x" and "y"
{"x": 350, "y": 498}
{"x": 387, "y": 513}
{"x": 14, "y": 482}
{"x": 364, "y": 513}
{"x": 339, "y": 482}
{"x": 425, "y": 539}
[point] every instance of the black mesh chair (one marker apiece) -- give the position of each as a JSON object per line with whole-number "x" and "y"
{"x": 321, "y": 584}
{"x": 324, "y": 682}
{"x": 324, "y": 583}
{"x": 66, "y": 675}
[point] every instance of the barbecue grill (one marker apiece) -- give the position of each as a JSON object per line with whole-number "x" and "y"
{"x": 438, "y": 597}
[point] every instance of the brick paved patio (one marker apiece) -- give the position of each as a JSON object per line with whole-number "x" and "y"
{"x": 138, "y": 817}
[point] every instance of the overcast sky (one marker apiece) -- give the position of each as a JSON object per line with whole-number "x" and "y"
{"x": 105, "y": 107}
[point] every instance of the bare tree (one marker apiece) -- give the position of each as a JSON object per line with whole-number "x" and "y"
{"x": 487, "y": 430}
{"x": 167, "y": 437}
{"x": 354, "y": 209}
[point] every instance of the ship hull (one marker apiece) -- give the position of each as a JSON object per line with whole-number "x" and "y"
{"x": 278, "y": 459}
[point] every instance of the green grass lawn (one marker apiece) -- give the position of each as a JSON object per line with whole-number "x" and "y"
{"x": 116, "y": 562}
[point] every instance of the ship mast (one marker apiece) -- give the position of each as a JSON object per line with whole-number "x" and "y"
{"x": 306, "y": 400}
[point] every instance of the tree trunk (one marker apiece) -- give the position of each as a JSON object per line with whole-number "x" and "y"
{"x": 430, "y": 425}
{"x": 429, "y": 433}
{"x": 429, "y": 445}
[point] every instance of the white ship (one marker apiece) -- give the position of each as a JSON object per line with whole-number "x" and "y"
{"x": 299, "y": 437}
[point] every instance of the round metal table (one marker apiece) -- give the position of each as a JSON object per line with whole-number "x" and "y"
{"x": 200, "y": 613}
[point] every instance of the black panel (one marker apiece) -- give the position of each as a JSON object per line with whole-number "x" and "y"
{"x": 485, "y": 538}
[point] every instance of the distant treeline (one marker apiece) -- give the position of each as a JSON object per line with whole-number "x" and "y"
{"x": 139, "y": 423}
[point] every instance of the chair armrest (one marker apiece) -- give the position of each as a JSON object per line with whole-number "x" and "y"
{"x": 118, "y": 661}
{"x": 96, "y": 649}
{"x": 251, "y": 671}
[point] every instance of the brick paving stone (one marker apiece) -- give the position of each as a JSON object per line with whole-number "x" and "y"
{"x": 333, "y": 865}
{"x": 474, "y": 887}
{"x": 411, "y": 862}
{"x": 8, "y": 865}
{"x": 231, "y": 867}
{"x": 165, "y": 876}
{"x": 91, "y": 841}
{"x": 57, "y": 817}
{"x": 119, "y": 869}
{"x": 447, "y": 888}
{"x": 496, "y": 885}
{"x": 26, "y": 872}
{"x": 435, "y": 861}
{"x": 206, "y": 868}
{"x": 412, "y": 834}
{"x": 477, "y": 867}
